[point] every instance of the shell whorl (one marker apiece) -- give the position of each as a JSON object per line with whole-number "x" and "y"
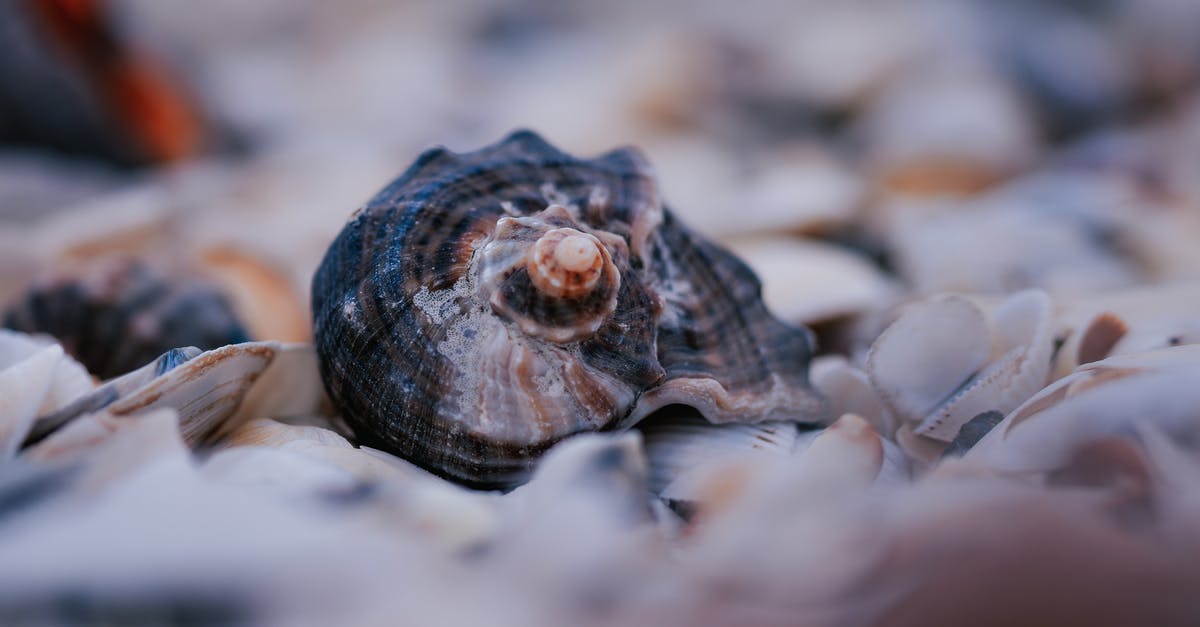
{"x": 565, "y": 263}
{"x": 555, "y": 282}
{"x": 485, "y": 305}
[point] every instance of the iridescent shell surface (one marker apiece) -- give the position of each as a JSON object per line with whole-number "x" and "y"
{"x": 485, "y": 305}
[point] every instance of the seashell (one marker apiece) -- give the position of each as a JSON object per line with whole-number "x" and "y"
{"x": 1104, "y": 324}
{"x": 1117, "y": 396}
{"x": 695, "y": 466}
{"x": 949, "y": 128}
{"x": 261, "y": 295}
{"x": 103, "y": 396}
{"x": 943, "y": 363}
{"x": 927, "y": 353}
{"x": 213, "y": 393}
{"x": 849, "y": 391}
{"x": 122, "y": 314}
{"x": 277, "y": 470}
{"x": 1091, "y": 341}
{"x": 313, "y": 461}
{"x": 681, "y": 441}
{"x": 1035, "y": 235}
{"x": 488, "y": 304}
{"x": 835, "y": 463}
{"x": 1022, "y": 338}
{"x": 35, "y": 378}
{"x": 272, "y": 433}
{"x": 604, "y": 475}
{"x": 793, "y": 189}
{"x": 88, "y": 91}
{"x": 835, "y": 283}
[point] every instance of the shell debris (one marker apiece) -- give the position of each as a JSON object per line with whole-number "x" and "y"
{"x": 842, "y": 312}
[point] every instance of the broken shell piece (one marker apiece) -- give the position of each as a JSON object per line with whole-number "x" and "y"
{"x": 1109, "y": 397}
{"x": 1153, "y": 317}
{"x": 1092, "y": 341}
{"x": 106, "y": 394}
{"x": 679, "y": 440}
{"x": 840, "y": 461}
{"x": 849, "y": 391}
{"x": 207, "y": 391}
{"x": 942, "y": 362}
{"x": 1022, "y": 343}
{"x": 927, "y": 353}
{"x": 35, "y": 378}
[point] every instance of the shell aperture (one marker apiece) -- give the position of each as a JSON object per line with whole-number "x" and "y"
{"x": 485, "y": 305}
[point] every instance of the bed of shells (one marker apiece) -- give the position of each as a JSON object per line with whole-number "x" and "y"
{"x": 316, "y": 370}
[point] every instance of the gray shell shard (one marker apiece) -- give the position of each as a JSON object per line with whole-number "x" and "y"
{"x": 486, "y": 305}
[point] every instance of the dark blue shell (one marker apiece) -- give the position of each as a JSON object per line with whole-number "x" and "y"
{"x": 121, "y": 314}
{"x": 422, "y": 363}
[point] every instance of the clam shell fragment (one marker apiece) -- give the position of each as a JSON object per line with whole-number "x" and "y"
{"x": 213, "y": 392}
{"x": 945, "y": 361}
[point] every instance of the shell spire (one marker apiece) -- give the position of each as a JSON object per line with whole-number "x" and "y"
{"x": 485, "y": 305}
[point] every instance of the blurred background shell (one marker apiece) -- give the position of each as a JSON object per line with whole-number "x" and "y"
{"x": 117, "y": 316}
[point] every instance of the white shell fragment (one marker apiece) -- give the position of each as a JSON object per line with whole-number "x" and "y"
{"x": 680, "y": 445}
{"x": 849, "y": 391}
{"x": 1117, "y": 396}
{"x": 35, "y": 378}
{"x": 943, "y": 362}
{"x": 207, "y": 391}
{"x": 807, "y": 281}
{"x": 927, "y": 354}
{"x": 1022, "y": 339}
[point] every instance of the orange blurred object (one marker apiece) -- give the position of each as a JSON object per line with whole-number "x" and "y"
{"x": 138, "y": 95}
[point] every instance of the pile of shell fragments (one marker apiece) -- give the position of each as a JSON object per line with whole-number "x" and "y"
{"x": 987, "y": 214}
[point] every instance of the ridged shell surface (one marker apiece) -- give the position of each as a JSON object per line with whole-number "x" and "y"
{"x": 485, "y": 305}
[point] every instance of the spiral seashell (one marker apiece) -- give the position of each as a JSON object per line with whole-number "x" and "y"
{"x": 485, "y": 305}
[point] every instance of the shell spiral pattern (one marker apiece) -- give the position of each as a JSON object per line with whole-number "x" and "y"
{"x": 485, "y": 305}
